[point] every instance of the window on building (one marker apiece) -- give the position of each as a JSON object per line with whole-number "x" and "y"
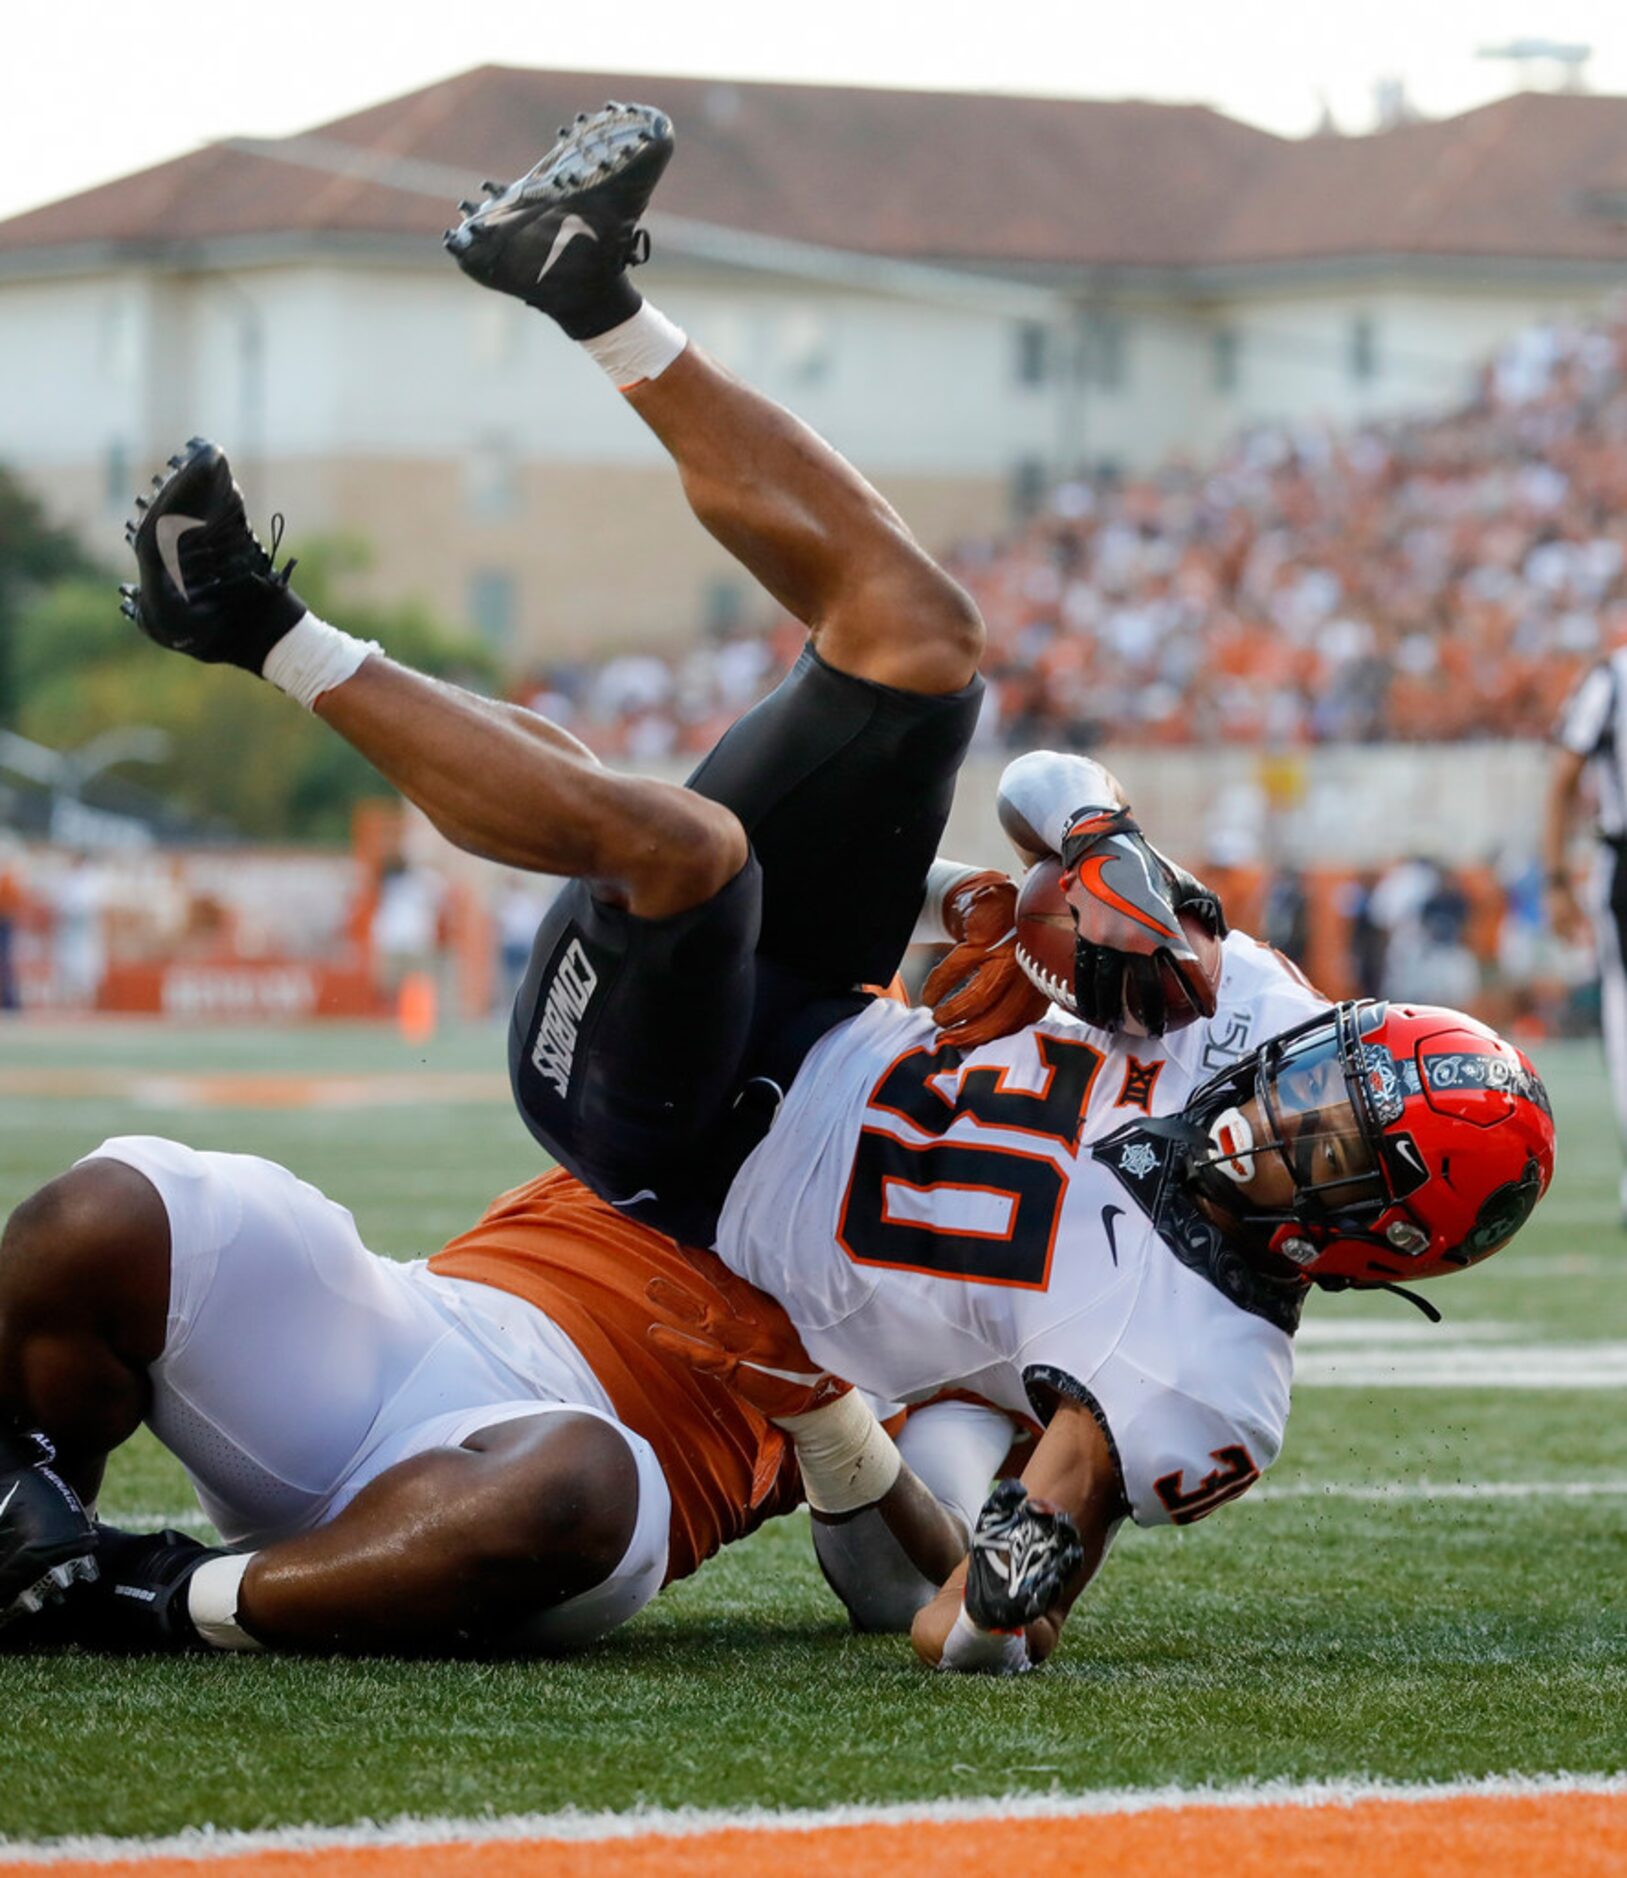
{"x": 723, "y": 606}
{"x": 498, "y": 330}
{"x": 117, "y": 337}
{"x": 1226, "y": 357}
{"x": 1033, "y": 355}
{"x": 804, "y": 346}
{"x": 116, "y": 485}
{"x": 494, "y": 607}
{"x": 491, "y": 479}
{"x": 1363, "y": 348}
{"x": 1030, "y": 482}
{"x": 1105, "y": 351}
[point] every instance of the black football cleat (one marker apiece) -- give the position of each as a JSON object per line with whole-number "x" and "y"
{"x": 562, "y": 238}
{"x": 207, "y": 588}
{"x": 140, "y": 1599}
{"x": 47, "y": 1539}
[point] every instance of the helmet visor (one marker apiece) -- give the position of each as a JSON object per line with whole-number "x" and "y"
{"x": 1315, "y": 1117}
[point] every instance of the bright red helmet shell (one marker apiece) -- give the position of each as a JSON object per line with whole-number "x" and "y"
{"x": 1463, "y": 1137}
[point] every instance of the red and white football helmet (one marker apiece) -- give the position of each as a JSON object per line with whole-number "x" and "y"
{"x": 1416, "y": 1141}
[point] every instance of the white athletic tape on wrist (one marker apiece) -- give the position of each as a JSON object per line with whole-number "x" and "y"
{"x": 313, "y": 657}
{"x": 847, "y": 1458}
{"x": 211, "y": 1602}
{"x": 984, "y": 1652}
{"x": 638, "y": 349}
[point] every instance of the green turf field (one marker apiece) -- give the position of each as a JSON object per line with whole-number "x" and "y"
{"x": 1468, "y": 1619}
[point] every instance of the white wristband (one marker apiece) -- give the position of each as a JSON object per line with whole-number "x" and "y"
{"x": 847, "y": 1458}
{"x": 984, "y": 1652}
{"x": 639, "y": 348}
{"x": 211, "y": 1602}
{"x": 313, "y": 657}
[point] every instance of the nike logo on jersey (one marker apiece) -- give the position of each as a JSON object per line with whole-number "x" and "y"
{"x": 1109, "y": 1214}
{"x": 569, "y": 229}
{"x": 9, "y": 1498}
{"x": 167, "y": 532}
{"x": 554, "y": 1051}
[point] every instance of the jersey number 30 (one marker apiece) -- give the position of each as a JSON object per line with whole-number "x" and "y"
{"x": 982, "y": 1211}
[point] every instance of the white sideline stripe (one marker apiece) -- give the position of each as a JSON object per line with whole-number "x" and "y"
{"x": 1407, "y": 1490}
{"x": 571, "y": 1826}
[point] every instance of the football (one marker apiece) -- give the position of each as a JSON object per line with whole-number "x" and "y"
{"x": 1045, "y": 948}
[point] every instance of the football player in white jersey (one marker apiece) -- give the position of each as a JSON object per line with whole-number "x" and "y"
{"x": 1063, "y": 1223}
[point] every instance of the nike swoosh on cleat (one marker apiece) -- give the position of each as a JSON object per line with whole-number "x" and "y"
{"x": 569, "y": 229}
{"x": 167, "y": 531}
{"x": 9, "y": 1497}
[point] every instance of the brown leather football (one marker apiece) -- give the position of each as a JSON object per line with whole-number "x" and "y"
{"x": 1045, "y": 949}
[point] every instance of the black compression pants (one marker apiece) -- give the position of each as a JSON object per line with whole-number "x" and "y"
{"x": 647, "y": 1055}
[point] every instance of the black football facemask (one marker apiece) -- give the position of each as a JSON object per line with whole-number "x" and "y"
{"x": 1314, "y": 1126}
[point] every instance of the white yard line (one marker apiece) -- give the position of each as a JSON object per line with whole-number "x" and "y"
{"x": 1327, "y": 1331}
{"x": 1376, "y": 1492}
{"x": 146, "y": 1519}
{"x": 686, "y": 1822}
{"x": 1462, "y": 1363}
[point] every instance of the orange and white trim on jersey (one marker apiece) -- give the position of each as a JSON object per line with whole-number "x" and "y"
{"x": 1493, "y": 1828}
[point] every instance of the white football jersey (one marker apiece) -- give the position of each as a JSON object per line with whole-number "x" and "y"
{"x": 944, "y": 1220}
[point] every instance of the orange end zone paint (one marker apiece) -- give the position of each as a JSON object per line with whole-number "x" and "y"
{"x": 1582, "y": 1835}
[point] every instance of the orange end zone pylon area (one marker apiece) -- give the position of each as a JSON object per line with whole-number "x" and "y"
{"x": 1474, "y": 1834}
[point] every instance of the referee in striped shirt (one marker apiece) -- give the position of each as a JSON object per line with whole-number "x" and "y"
{"x": 1591, "y": 744}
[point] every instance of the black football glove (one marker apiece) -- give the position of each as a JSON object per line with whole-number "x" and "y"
{"x": 1188, "y": 894}
{"x": 1126, "y": 901}
{"x": 46, "y": 1536}
{"x": 139, "y": 1601}
{"x": 1023, "y": 1553}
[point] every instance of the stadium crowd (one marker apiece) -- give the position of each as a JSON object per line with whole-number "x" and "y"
{"x": 1438, "y": 579}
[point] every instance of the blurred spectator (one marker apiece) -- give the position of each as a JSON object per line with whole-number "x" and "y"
{"x": 406, "y": 924}
{"x": 1437, "y": 579}
{"x": 11, "y": 910}
{"x": 520, "y": 906}
{"x": 1287, "y": 919}
{"x": 78, "y": 946}
{"x": 1368, "y": 938}
{"x": 1423, "y": 912}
